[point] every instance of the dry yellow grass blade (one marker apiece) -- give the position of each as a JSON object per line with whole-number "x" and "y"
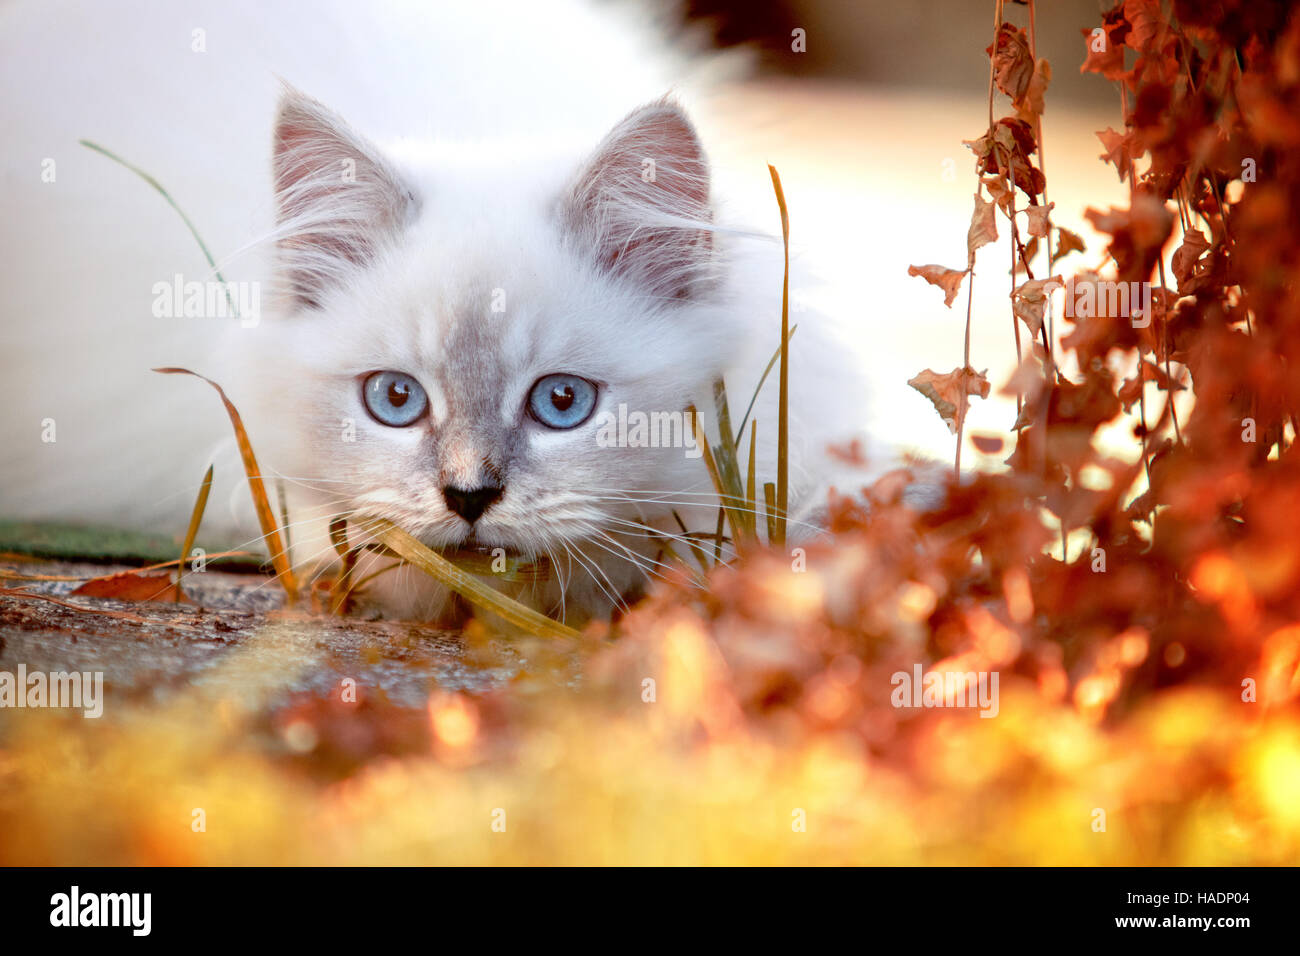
{"x": 726, "y": 458}
{"x": 769, "y": 501}
{"x": 200, "y": 503}
{"x": 176, "y": 562}
{"x": 265, "y": 516}
{"x": 783, "y": 422}
{"x": 464, "y": 584}
{"x": 751, "y": 489}
{"x": 735, "y": 518}
{"x": 7, "y": 575}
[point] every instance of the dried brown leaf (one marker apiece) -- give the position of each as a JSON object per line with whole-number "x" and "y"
{"x": 1038, "y": 219}
{"x": 998, "y": 189}
{"x": 983, "y": 227}
{"x": 1121, "y": 150}
{"x": 1104, "y": 54}
{"x": 133, "y": 586}
{"x": 1030, "y": 106}
{"x": 1066, "y": 243}
{"x": 1186, "y": 257}
{"x": 947, "y": 279}
{"x": 947, "y": 392}
{"x": 1029, "y": 301}
{"x": 1013, "y": 66}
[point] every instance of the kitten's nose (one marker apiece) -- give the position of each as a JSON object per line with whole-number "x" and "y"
{"x": 470, "y": 504}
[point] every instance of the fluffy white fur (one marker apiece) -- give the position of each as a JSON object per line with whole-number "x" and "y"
{"x": 505, "y": 160}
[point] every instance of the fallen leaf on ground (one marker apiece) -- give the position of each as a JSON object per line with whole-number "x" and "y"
{"x": 133, "y": 586}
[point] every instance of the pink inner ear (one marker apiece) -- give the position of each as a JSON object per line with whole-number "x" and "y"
{"x": 643, "y": 202}
{"x": 302, "y": 155}
{"x": 337, "y": 197}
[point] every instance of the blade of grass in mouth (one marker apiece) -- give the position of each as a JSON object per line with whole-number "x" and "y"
{"x": 463, "y": 582}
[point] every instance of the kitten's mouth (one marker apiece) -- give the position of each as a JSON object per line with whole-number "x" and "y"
{"x": 476, "y": 557}
{"x": 497, "y": 559}
{"x": 471, "y": 546}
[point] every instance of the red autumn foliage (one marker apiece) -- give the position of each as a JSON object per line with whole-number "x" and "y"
{"x": 1182, "y": 564}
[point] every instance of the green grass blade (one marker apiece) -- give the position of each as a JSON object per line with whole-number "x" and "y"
{"x": 771, "y": 363}
{"x": 203, "y": 246}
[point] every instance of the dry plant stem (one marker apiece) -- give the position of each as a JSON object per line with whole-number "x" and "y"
{"x": 698, "y": 551}
{"x": 1169, "y": 372}
{"x": 200, "y": 503}
{"x": 1015, "y": 323}
{"x": 961, "y": 408}
{"x": 726, "y": 457}
{"x": 1042, "y": 168}
{"x": 342, "y": 587}
{"x": 466, "y": 585}
{"x": 751, "y": 478}
{"x": 7, "y": 575}
{"x": 970, "y": 282}
{"x": 783, "y": 423}
{"x": 1142, "y": 411}
{"x": 1132, "y": 192}
{"x": 666, "y": 550}
{"x": 169, "y": 564}
{"x": 285, "y": 524}
{"x": 769, "y": 501}
{"x": 997, "y": 25}
{"x": 734, "y": 517}
{"x": 257, "y": 487}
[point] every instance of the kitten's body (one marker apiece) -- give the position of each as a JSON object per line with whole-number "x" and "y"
{"x": 476, "y": 257}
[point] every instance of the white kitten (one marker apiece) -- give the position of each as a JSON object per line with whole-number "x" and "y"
{"x": 456, "y": 316}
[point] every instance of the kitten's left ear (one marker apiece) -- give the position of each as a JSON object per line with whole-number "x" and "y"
{"x": 642, "y": 202}
{"x": 337, "y": 198}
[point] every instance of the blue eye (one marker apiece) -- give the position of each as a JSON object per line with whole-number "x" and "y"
{"x": 394, "y": 398}
{"x": 562, "y": 401}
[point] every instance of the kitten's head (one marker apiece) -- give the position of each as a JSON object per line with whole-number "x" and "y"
{"x": 462, "y": 333}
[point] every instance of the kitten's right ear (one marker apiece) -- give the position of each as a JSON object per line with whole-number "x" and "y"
{"x": 337, "y": 198}
{"x": 642, "y": 203}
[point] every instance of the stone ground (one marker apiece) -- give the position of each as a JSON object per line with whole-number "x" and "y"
{"x": 236, "y": 628}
